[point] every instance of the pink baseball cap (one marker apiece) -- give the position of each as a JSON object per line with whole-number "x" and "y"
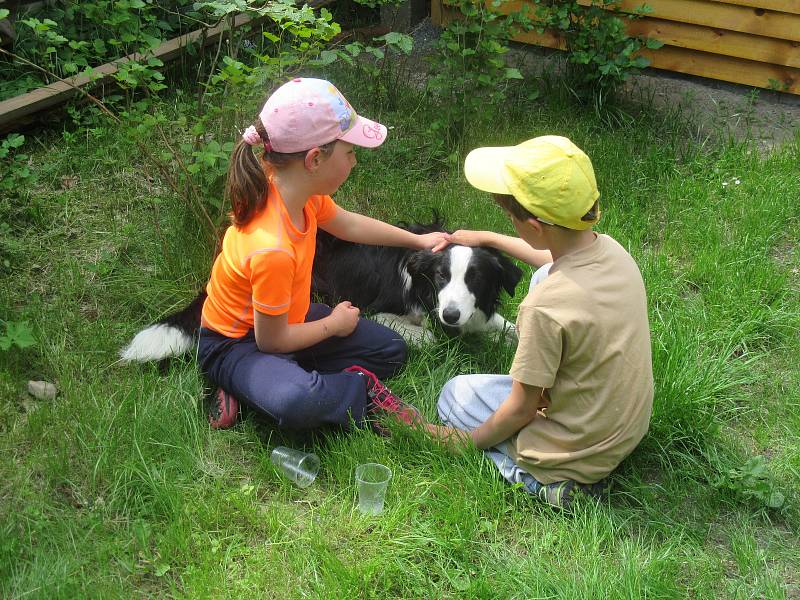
{"x": 305, "y": 113}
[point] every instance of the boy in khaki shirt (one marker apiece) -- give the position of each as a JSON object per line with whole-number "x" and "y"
{"x": 580, "y": 391}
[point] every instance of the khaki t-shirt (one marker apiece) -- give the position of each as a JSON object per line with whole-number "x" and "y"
{"x": 584, "y": 337}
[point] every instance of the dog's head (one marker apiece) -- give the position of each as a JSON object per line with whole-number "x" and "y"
{"x": 461, "y": 285}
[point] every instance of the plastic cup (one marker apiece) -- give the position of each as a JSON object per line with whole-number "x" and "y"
{"x": 372, "y": 480}
{"x": 298, "y": 466}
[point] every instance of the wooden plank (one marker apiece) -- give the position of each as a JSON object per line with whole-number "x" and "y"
{"x": 708, "y": 39}
{"x": 720, "y": 15}
{"x": 16, "y": 108}
{"x": 719, "y": 41}
{"x": 789, "y": 6}
{"x": 724, "y": 68}
{"x": 704, "y": 64}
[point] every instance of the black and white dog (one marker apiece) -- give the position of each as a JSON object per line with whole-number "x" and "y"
{"x": 459, "y": 286}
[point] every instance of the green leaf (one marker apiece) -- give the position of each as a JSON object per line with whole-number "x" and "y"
{"x": 15, "y": 140}
{"x": 4, "y": 12}
{"x": 20, "y": 334}
{"x": 512, "y": 73}
{"x": 653, "y": 44}
{"x": 776, "y": 500}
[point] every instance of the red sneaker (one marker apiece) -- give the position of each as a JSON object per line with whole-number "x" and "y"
{"x": 382, "y": 400}
{"x": 223, "y": 411}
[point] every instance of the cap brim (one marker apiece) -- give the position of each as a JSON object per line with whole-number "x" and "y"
{"x": 366, "y": 133}
{"x": 483, "y": 168}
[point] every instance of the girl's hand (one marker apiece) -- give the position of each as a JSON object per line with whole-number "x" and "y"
{"x": 344, "y": 319}
{"x": 434, "y": 241}
{"x": 467, "y": 237}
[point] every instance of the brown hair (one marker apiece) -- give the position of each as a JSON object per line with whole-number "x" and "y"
{"x": 247, "y": 183}
{"x": 509, "y": 203}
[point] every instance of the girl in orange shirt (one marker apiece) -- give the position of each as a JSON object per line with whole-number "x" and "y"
{"x": 262, "y": 341}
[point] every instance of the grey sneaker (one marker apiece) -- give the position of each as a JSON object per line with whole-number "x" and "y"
{"x": 560, "y": 494}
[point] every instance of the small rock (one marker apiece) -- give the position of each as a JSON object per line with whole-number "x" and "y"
{"x": 42, "y": 390}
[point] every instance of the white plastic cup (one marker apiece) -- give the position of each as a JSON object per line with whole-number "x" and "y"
{"x": 372, "y": 480}
{"x": 299, "y": 467}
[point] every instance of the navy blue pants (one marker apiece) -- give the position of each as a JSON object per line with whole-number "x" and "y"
{"x": 305, "y": 389}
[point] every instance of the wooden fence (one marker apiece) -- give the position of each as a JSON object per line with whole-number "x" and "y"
{"x": 753, "y": 42}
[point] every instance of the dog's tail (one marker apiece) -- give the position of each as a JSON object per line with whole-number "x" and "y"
{"x": 171, "y": 336}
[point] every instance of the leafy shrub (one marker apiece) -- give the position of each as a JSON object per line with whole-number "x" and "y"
{"x": 470, "y": 75}
{"x": 65, "y": 39}
{"x": 601, "y": 53}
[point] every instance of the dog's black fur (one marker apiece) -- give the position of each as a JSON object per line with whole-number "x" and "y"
{"x": 377, "y": 279}
{"x": 371, "y": 276}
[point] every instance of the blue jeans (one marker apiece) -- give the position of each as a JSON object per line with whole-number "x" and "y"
{"x": 305, "y": 389}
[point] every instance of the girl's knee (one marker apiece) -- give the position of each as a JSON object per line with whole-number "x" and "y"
{"x": 396, "y": 353}
{"x": 287, "y": 403}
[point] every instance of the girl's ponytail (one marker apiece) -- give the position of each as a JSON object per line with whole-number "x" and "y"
{"x": 247, "y": 180}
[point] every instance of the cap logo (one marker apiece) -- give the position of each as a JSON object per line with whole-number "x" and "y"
{"x": 372, "y": 132}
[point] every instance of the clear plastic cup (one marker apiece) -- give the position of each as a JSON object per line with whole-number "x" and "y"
{"x": 298, "y": 466}
{"x": 372, "y": 480}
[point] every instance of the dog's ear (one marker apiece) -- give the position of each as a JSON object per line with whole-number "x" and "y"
{"x": 421, "y": 262}
{"x": 510, "y": 274}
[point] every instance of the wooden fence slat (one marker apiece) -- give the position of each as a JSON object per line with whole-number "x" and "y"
{"x": 788, "y": 6}
{"x": 724, "y": 68}
{"x": 703, "y": 64}
{"x": 16, "y": 108}
{"x": 719, "y": 15}
{"x": 719, "y": 41}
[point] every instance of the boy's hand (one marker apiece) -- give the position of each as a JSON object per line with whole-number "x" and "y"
{"x": 344, "y": 319}
{"x": 434, "y": 241}
{"x": 455, "y": 439}
{"x": 467, "y": 237}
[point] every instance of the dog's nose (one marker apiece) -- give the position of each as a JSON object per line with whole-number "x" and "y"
{"x": 451, "y": 315}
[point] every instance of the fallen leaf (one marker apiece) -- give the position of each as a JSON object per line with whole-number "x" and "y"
{"x": 69, "y": 181}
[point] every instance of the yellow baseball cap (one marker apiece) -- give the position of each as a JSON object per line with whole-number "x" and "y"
{"x": 549, "y": 175}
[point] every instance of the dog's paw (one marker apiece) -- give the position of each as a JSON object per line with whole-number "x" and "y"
{"x": 414, "y": 335}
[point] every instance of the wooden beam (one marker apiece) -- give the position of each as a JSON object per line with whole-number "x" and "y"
{"x": 720, "y": 15}
{"x": 14, "y": 109}
{"x": 704, "y": 64}
{"x": 725, "y": 68}
{"x": 719, "y": 41}
{"x": 789, "y": 6}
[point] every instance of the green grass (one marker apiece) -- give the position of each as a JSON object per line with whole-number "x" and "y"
{"x": 119, "y": 489}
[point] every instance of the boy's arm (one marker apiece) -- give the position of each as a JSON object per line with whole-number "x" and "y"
{"x": 514, "y": 413}
{"x": 353, "y": 227}
{"x": 513, "y": 246}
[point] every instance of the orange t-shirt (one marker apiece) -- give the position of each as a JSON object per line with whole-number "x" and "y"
{"x": 266, "y": 266}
